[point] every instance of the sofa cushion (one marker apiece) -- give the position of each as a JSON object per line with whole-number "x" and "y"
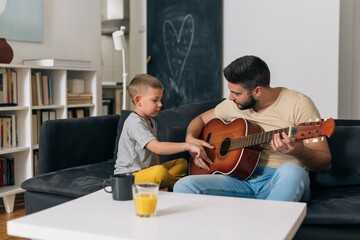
{"x": 176, "y": 134}
{"x": 172, "y": 117}
{"x": 72, "y": 182}
{"x": 345, "y": 153}
{"x": 334, "y": 205}
{"x": 66, "y": 143}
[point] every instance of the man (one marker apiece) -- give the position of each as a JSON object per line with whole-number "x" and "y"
{"x": 282, "y": 171}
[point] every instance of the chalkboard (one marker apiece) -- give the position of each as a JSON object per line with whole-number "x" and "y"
{"x": 184, "y": 41}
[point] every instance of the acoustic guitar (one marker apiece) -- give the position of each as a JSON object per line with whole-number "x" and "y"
{"x": 238, "y": 144}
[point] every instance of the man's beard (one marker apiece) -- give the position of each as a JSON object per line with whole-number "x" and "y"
{"x": 250, "y": 104}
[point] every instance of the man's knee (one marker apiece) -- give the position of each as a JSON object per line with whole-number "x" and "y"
{"x": 293, "y": 171}
{"x": 183, "y": 185}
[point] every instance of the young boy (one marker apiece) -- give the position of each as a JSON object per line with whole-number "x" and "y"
{"x": 138, "y": 145}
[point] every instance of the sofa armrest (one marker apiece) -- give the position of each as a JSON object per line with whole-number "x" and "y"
{"x": 66, "y": 143}
{"x": 345, "y": 157}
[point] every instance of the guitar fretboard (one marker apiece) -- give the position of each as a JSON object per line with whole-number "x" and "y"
{"x": 254, "y": 139}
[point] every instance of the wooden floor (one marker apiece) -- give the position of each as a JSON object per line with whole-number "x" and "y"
{"x": 19, "y": 211}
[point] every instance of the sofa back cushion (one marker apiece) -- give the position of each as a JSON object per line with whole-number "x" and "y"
{"x": 345, "y": 152}
{"x": 66, "y": 143}
{"x": 171, "y": 118}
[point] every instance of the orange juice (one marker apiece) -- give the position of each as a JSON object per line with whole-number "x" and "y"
{"x": 145, "y": 204}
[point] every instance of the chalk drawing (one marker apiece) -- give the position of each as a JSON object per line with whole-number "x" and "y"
{"x": 178, "y": 45}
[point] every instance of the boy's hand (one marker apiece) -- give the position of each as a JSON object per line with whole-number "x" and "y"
{"x": 198, "y": 153}
{"x": 199, "y": 142}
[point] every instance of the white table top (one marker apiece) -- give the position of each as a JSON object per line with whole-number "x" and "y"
{"x": 179, "y": 216}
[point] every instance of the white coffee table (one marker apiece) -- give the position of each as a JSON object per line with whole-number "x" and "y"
{"x": 179, "y": 216}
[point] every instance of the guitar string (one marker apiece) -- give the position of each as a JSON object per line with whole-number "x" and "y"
{"x": 248, "y": 141}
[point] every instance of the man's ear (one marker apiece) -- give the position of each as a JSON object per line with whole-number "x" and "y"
{"x": 257, "y": 92}
{"x": 137, "y": 100}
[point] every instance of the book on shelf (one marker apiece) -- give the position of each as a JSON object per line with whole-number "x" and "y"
{"x": 8, "y": 87}
{"x": 79, "y": 101}
{"x": 79, "y": 98}
{"x": 45, "y": 88}
{"x": 7, "y": 173}
{"x": 34, "y": 91}
{"x": 41, "y": 89}
{"x": 111, "y": 83}
{"x": 8, "y": 131}
{"x": 48, "y": 115}
{"x": 53, "y": 62}
{"x": 38, "y": 117}
{"x": 107, "y": 106}
{"x": 35, "y": 139}
{"x": 36, "y": 162}
{"x": 78, "y": 113}
{"x": 77, "y": 95}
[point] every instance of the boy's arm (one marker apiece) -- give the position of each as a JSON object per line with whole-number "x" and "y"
{"x": 166, "y": 148}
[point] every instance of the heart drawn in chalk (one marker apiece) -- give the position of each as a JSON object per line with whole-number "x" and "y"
{"x": 178, "y": 45}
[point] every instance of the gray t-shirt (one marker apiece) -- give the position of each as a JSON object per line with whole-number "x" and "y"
{"x": 132, "y": 155}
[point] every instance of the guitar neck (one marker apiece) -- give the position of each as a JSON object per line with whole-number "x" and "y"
{"x": 255, "y": 139}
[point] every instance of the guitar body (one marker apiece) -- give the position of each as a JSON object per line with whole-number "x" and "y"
{"x": 239, "y": 163}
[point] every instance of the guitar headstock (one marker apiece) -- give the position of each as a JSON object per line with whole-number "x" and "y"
{"x": 313, "y": 129}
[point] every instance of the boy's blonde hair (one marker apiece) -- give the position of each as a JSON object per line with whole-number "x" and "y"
{"x": 140, "y": 84}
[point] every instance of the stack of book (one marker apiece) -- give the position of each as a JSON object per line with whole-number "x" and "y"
{"x": 79, "y": 98}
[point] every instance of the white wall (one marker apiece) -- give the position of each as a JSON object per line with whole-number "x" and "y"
{"x": 355, "y": 104}
{"x": 137, "y": 37}
{"x": 346, "y": 59}
{"x": 298, "y": 39}
{"x": 72, "y": 30}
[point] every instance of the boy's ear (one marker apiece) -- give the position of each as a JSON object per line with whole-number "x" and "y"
{"x": 137, "y": 99}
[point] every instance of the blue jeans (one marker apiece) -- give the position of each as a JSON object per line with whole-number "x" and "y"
{"x": 289, "y": 182}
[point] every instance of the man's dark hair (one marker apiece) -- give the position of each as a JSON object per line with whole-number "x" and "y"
{"x": 250, "y": 71}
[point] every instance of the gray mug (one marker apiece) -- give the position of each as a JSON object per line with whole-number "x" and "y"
{"x": 121, "y": 186}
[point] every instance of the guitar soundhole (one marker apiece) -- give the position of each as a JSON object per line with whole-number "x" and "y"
{"x": 225, "y": 145}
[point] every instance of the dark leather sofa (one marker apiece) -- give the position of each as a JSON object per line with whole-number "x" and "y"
{"x": 76, "y": 155}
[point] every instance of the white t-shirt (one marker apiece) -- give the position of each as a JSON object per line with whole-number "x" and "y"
{"x": 132, "y": 154}
{"x": 290, "y": 109}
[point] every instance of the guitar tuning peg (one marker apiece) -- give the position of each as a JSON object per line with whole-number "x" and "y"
{"x": 322, "y": 138}
{"x": 325, "y": 119}
{"x": 315, "y": 140}
{"x": 317, "y": 119}
{"x": 307, "y": 140}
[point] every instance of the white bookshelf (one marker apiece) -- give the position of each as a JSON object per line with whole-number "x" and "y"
{"x": 23, "y": 153}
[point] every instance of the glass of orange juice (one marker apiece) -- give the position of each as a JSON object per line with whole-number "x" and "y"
{"x": 145, "y": 197}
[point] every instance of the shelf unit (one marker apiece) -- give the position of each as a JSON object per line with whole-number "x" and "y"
{"x": 23, "y": 153}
